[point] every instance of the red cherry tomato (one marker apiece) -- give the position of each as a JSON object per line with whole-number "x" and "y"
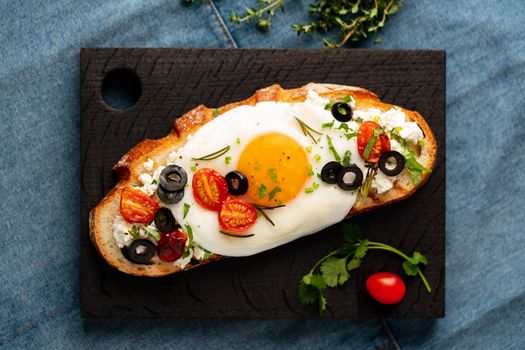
{"x": 366, "y": 132}
{"x": 237, "y": 216}
{"x": 171, "y": 246}
{"x": 386, "y": 288}
{"x": 209, "y": 188}
{"x": 137, "y": 206}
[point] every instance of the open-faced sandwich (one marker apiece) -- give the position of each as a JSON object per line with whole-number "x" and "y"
{"x": 256, "y": 174}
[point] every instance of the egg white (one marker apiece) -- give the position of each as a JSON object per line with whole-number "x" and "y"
{"x": 307, "y": 213}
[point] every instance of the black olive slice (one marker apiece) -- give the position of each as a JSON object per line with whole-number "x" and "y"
{"x": 237, "y": 183}
{"x": 173, "y": 178}
{"x": 140, "y": 251}
{"x": 169, "y": 197}
{"x": 342, "y": 111}
{"x": 330, "y": 171}
{"x": 385, "y": 160}
{"x": 165, "y": 221}
{"x": 349, "y": 185}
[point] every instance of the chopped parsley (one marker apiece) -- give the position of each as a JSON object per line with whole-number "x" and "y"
{"x": 346, "y": 158}
{"x": 186, "y": 210}
{"x": 272, "y": 174}
{"x": 134, "y": 231}
{"x": 309, "y": 149}
{"x": 193, "y": 168}
{"x": 332, "y": 148}
{"x": 317, "y": 157}
{"x": 238, "y": 141}
{"x": 310, "y": 171}
{"x": 152, "y": 233}
{"x": 328, "y": 125}
{"x": 262, "y": 191}
{"x": 154, "y": 182}
{"x": 227, "y": 160}
{"x": 274, "y": 191}
{"x": 347, "y": 99}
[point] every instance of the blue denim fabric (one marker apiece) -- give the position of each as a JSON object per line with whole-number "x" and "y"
{"x": 39, "y": 174}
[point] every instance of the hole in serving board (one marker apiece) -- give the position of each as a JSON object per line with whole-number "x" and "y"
{"x": 121, "y": 88}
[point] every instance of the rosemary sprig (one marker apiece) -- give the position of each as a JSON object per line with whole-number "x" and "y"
{"x": 307, "y": 130}
{"x": 365, "y": 186}
{"x": 261, "y": 208}
{"x": 214, "y": 155}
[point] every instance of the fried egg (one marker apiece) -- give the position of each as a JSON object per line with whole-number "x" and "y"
{"x": 268, "y": 145}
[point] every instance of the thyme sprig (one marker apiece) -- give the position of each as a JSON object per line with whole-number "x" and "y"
{"x": 261, "y": 16}
{"x": 354, "y": 20}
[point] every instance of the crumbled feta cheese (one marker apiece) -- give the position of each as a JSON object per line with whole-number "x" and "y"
{"x": 172, "y": 157}
{"x": 149, "y": 165}
{"x": 366, "y": 115}
{"x": 396, "y": 146}
{"x": 411, "y": 132}
{"x": 313, "y": 97}
{"x": 382, "y": 183}
{"x": 147, "y": 184}
{"x": 156, "y": 173}
{"x": 198, "y": 252}
{"x": 121, "y": 232}
{"x": 392, "y": 118}
{"x": 182, "y": 262}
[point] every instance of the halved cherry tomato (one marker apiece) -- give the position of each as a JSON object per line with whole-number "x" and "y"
{"x": 236, "y": 216}
{"x": 386, "y": 288}
{"x": 209, "y": 188}
{"x": 366, "y": 132}
{"x": 137, "y": 206}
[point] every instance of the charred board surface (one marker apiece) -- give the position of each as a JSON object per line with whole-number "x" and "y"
{"x": 174, "y": 81}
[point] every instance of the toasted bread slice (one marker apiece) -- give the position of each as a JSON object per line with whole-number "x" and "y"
{"x": 131, "y": 165}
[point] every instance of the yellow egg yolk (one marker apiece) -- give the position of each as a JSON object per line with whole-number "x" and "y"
{"x": 276, "y": 167}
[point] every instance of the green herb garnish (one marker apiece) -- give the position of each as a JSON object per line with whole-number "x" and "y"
{"x": 193, "y": 168}
{"x": 152, "y": 233}
{"x": 309, "y": 149}
{"x": 134, "y": 231}
{"x": 215, "y": 113}
{"x": 272, "y": 174}
{"x": 154, "y": 182}
{"x": 227, "y": 160}
{"x": 332, "y": 148}
{"x": 347, "y": 99}
{"x": 350, "y": 135}
{"x": 189, "y": 231}
{"x": 334, "y": 268}
{"x": 262, "y": 191}
{"x": 371, "y": 142}
{"x": 214, "y": 155}
{"x": 328, "y": 125}
{"x": 309, "y": 170}
{"x": 273, "y": 192}
{"x": 261, "y": 17}
{"x": 346, "y": 158}
{"x": 328, "y": 105}
{"x": 308, "y": 190}
{"x": 238, "y": 141}
{"x": 186, "y": 210}
{"x": 307, "y": 131}
{"x": 414, "y": 168}
{"x": 317, "y": 157}
{"x": 261, "y": 208}
{"x": 343, "y": 126}
{"x": 367, "y": 182}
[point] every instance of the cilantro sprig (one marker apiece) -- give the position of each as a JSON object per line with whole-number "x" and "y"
{"x": 334, "y": 269}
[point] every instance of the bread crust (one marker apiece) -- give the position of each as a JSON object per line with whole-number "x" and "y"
{"x": 130, "y": 166}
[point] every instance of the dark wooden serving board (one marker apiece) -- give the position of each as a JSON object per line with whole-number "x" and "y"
{"x": 265, "y": 285}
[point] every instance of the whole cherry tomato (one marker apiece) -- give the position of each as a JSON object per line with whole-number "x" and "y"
{"x": 386, "y": 288}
